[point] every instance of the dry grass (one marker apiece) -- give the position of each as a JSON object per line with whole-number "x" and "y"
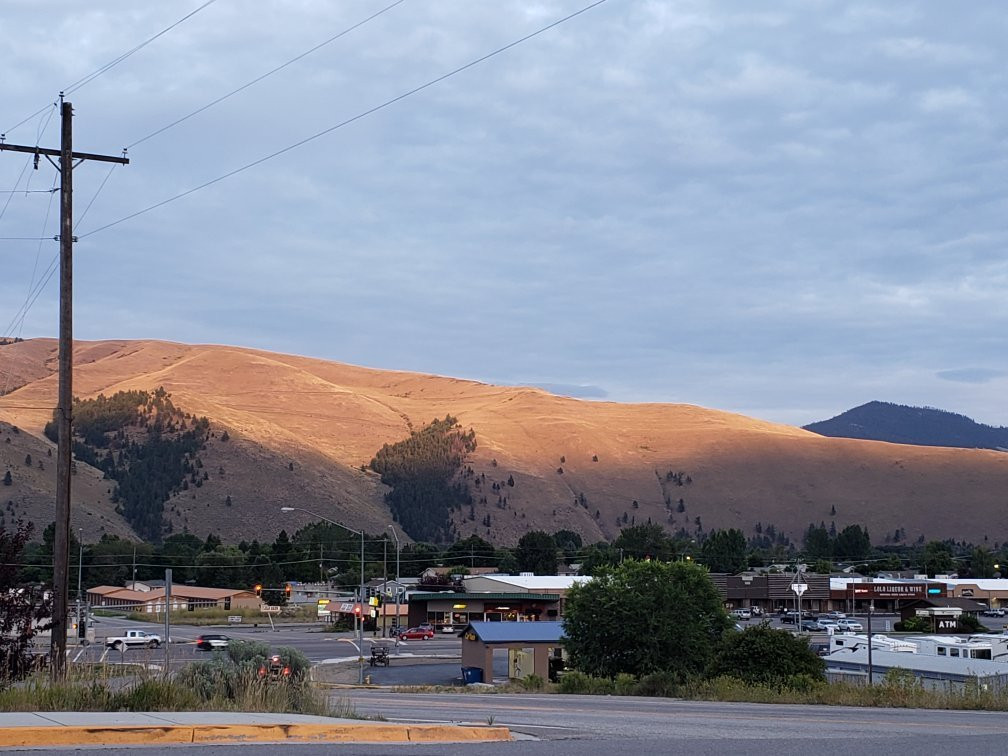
{"x": 330, "y": 418}
{"x": 109, "y": 688}
{"x": 207, "y": 617}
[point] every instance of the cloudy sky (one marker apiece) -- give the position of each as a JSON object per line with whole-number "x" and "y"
{"x": 782, "y": 208}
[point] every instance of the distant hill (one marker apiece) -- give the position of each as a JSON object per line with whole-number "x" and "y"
{"x": 920, "y": 426}
{"x": 289, "y": 431}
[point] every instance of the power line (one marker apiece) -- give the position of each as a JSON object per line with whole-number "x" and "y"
{"x": 23, "y": 312}
{"x": 348, "y": 121}
{"x": 31, "y": 283}
{"x": 97, "y": 192}
{"x": 114, "y": 62}
{"x": 10, "y": 194}
{"x": 265, "y": 75}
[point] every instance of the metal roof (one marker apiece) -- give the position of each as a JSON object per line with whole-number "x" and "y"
{"x": 435, "y": 595}
{"x": 517, "y": 632}
{"x": 857, "y": 658}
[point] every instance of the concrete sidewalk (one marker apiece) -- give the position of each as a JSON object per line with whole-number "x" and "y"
{"x": 51, "y": 729}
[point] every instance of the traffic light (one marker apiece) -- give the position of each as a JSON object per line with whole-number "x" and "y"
{"x": 258, "y": 589}
{"x": 287, "y": 590}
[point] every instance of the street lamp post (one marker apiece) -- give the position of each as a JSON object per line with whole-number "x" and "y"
{"x": 398, "y": 586}
{"x": 360, "y": 626}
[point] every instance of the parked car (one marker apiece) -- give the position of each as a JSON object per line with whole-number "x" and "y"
{"x": 789, "y": 618}
{"x": 834, "y": 615}
{"x": 417, "y": 633}
{"x": 825, "y": 623}
{"x": 993, "y": 612}
{"x": 849, "y": 626}
{"x": 810, "y": 626}
{"x": 211, "y": 641}
{"x": 447, "y": 628}
{"x": 742, "y": 614}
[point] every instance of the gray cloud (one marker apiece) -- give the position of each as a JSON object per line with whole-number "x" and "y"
{"x": 782, "y": 208}
{"x": 970, "y": 375}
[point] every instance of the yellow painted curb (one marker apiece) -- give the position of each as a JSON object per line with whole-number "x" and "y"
{"x": 318, "y": 733}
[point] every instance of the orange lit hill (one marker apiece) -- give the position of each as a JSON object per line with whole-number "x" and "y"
{"x": 300, "y": 431}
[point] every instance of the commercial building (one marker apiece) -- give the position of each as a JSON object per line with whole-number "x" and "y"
{"x": 183, "y": 598}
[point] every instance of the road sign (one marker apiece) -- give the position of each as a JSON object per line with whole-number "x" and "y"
{"x": 234, "y": 619}
{"x": 799, "y": 588}
{"x": 267, "y": 609}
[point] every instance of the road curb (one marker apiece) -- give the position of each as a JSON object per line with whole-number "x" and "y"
{"x": 247, "y": 733}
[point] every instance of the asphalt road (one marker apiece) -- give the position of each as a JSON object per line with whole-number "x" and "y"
{"x": 582, "y": 725}
{"x": 417, "y": 662}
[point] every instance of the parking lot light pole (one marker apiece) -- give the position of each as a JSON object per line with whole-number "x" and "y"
{"x": 360, "y": 626}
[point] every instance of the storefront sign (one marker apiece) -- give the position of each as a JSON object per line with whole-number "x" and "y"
{"x": 889, "y": 590}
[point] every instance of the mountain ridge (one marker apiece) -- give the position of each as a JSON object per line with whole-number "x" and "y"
{"x": 904, "y": 424}
{"x": 303, "y": 432}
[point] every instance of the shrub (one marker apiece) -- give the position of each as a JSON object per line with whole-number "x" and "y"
{"x": 760, "y": 655}
{"x": 661, "y": 684}
{"x": 533, "y": 682}
{"x": 579, "y": 682}
{"x": 624, "y": 684}
{"x": 678, "y": 632}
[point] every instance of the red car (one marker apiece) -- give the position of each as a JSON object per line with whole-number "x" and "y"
{"x": 417, "y": 633}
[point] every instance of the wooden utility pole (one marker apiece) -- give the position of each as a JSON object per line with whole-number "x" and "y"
{"x": 61, "y": 545}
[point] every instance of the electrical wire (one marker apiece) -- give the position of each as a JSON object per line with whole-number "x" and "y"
{"x": 112, "y": 63}
{"x": 348, "y": 121}
{"x": 97, "y": 192}
{"x": 265, "y": 75}
{"x": 24, "y": 307}
{"x": 10, "y": 194}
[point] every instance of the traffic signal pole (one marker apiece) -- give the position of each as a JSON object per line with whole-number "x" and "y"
{"x": 64, "y": 408}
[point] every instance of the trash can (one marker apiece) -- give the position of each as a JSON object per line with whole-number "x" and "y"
{"x": 472, "y": 675}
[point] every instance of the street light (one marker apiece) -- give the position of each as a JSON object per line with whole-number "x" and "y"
{"x": 397, "y": 589}
{"x": 360, "y": 627}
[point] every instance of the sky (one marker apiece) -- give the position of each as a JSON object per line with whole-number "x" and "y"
{"x": 783, "y": 209}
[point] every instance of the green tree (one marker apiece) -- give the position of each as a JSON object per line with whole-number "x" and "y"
{"x": 818, "y": 544}
{"x": 937, "y": 558}
{"x": 642, "y": 617}
{"x": 568, "y": 542}
{"x": 724, "y": 551}
{"x": 471, "y": 552}
{"x": 537, "y": 553}
{"x": 981, "y": 563}
{"x": 20, "y": 610}
{"x": 648, "y": 541}
{"x": 221, "y": 568}
{"x": 761, "y": 655}
{"x": 852, "y": 543}
{"x": 417, "y": 557}
{"x": 599, "y": 555}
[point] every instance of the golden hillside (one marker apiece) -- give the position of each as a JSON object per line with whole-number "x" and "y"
{"x": 326, "y": 419}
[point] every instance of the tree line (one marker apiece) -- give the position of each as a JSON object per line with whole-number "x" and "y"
{"x": 144, "y": 443}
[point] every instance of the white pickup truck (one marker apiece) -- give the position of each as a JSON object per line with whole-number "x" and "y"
{"x": 133, "y": 639}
